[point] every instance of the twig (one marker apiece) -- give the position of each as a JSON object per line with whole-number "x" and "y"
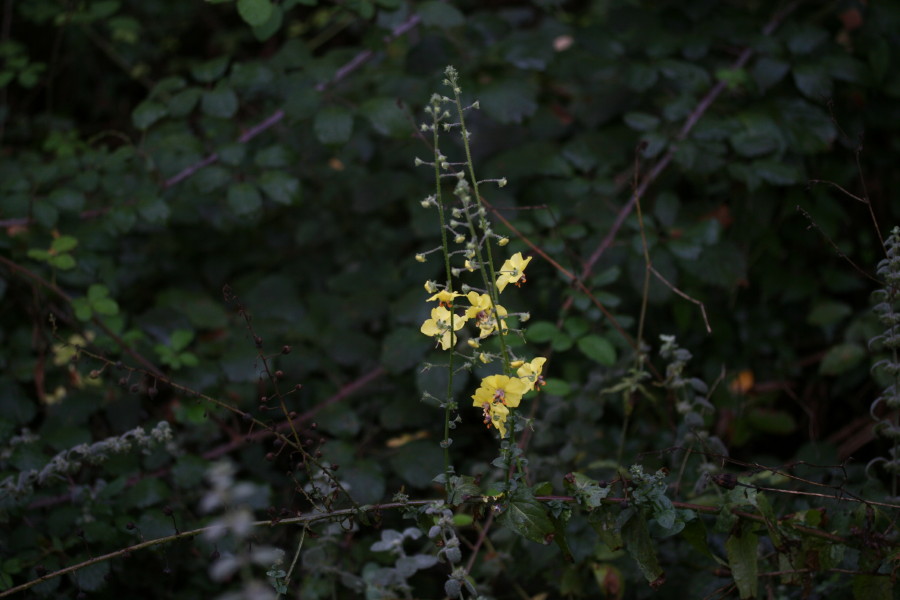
{"x": 699, "y": 304}
{"x": 839, "y": 252}
{"x": 306, "y": 520}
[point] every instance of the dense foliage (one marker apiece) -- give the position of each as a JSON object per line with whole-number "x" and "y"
{"x": 212, "y": 307}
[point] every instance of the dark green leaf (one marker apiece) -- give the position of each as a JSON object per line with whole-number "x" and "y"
{"x": 211, "y": 70}
{"x": 220, "y": 101}
{"x": 508, "y": 101}
{"x": 333, "y": 125}
{"x": 741, "y": 548}
{"x": 636, "y": 539}
{"x": 92, "y": 577}
{"x": 403, "y": 348}
{"x": 418, "y": 462}
{"x": 64, "y": 243}
{"x": 777, "y": 173}
{"x": 63, "y": 262}
{"x": 768, "y": 71}
{"x": 440, "y": 14}
{"x": 527, "y": 517}
{"x": 272, "y": 25}
{"x": 599, "y": 349}
{"x": 67, "y": 199}
{"x": 147, "y": 113}
{"x": 254, "y": 12}
{"x": 828, "y": 312}
{"x": 182, "y": 103}
{"x": 280, "y": 187}
{"x": 386, "y": 117}
{"x": 641, "y": 121}
{"x": 244, "y": 199}
{"x": 841, "y": 358}
{"x": 813, "y": 80}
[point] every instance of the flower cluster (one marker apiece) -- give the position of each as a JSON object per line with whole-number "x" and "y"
{"x": 497, "y": 393}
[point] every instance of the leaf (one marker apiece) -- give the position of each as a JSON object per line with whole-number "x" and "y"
{"x": 182, "y": 103}
{"x": 828, "y": 312}
{"x": 541, "y": 332}
{"x": 147, "y": 113}
{"x": 403, "y": 348}
{"x": 254, "y": 12}
{"x": 527, "y": 517}
{"x": 587, "y": 491}
{"x": 271, "y": 26}
{"x": 440, "y": 14}
{"x": 92, "y": 577}
{"x": 777, "y": 173}
{"x": 220, "y": 101}
{"x": 211, "y": 70}
{"x": 67, "y": 199}
{"x": 64, "y": 243}
{"x": 244, "y": 199}
{"x": 333, "y": 125}
{"x": 694, "y": 533}
{"x": 386, "y": 117}
{"x": 278, "y": 186}
{"x": 598, "y": 349}
{"x": 63, "y": 262}
{"x": 741, "y": 550}
{"x": 509, "y": 101}
{"x": 769, "y": 71}
{"x": 180, "y": 339}
{"x": 641, "y": 121}
{"x": 83, "y": 310}
{"x": 813, "y": 81}
{"x": 97, "y": 292}
{"x": 416, "y": 463}
{"x": 273, "y": 157}
{"x": 841, "y": 358}
{"x": 638, "y": 544}
{"x": 106, "y": 307}
{"x": 462, "y": 487}
{"x": 770, "y": 420}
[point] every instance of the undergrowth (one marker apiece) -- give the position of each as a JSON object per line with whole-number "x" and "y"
{"x": 682, "y": 516}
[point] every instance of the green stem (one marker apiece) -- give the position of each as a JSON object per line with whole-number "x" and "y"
{"x": 449, "y": 287}
{"x": 488, "y": 273}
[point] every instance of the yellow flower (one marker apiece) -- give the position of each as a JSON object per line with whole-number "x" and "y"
{"x": 485, "y": 314}
{"x": 513, "y": 271}
{"x": 445, "y": 298}
{"x": 497, "y": 394}
{"x": 530, "y": 373}
{"x": 438, "y": 326}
